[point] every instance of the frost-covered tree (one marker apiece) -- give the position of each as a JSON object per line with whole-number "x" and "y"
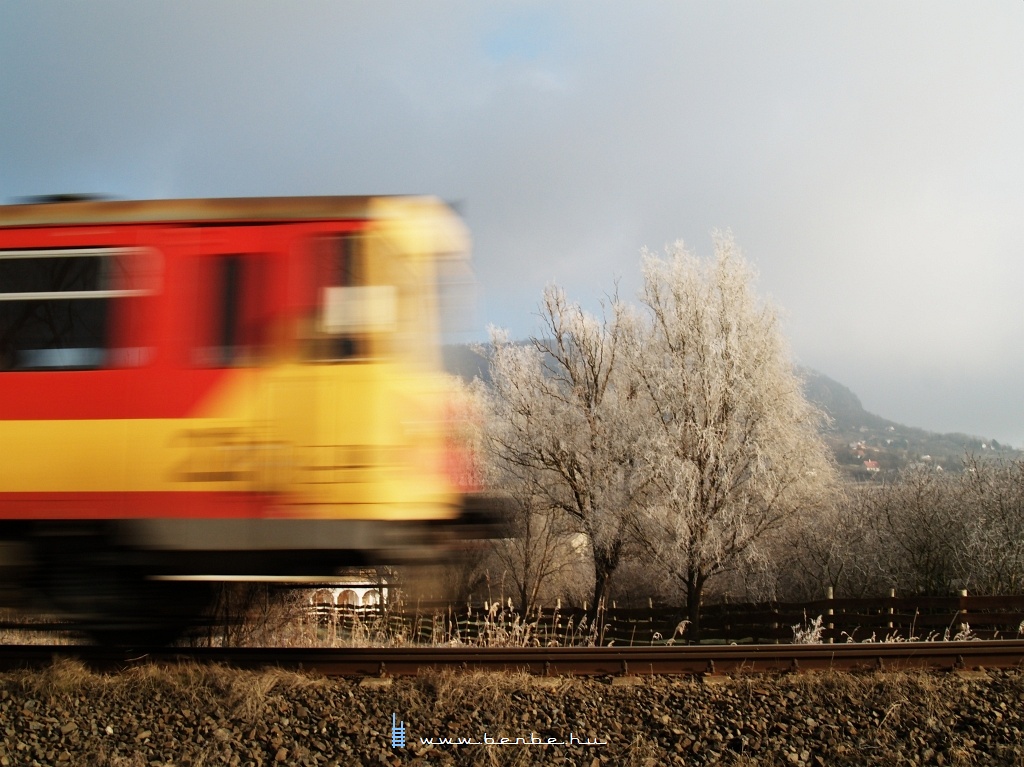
{"x": 565, "y": 420}
{"x": 538, "y": 554}
{"x": 920, "y": 530}
{"x": 535, "y": 546}
{"x": 837, "y": 547}
{"x": 992, "y": 504}
{"x": 685, "y": 424}
{"x": 931, "y": 533}
{"x": 731, "y": 440}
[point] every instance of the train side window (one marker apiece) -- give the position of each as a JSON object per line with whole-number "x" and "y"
{"x": 338, "y": 268}
{"x": 233, "y": 331}
{"x": 229, "y": 343}
{"x": 349, "y": 308}
{"x": 73, "y": 308}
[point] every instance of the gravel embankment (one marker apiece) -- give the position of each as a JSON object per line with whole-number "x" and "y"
{"x": 151, "y": 717}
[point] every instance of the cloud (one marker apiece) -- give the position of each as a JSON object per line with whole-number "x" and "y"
{"x": 865, "y": 155}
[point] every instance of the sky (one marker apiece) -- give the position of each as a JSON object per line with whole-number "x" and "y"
{"x": 867, "y": 156}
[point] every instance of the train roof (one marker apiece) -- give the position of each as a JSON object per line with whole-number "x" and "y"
{"x": 72, "y": 212}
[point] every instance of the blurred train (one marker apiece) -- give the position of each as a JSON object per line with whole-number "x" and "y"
{"x": 194, "y": 390}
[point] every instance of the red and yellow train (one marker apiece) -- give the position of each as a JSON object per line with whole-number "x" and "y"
{"x": 195, "y": 389}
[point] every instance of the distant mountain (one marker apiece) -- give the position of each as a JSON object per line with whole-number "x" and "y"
{"x": 465, "y": 361}
{"x": 841, "y": 404}
{"x": 866, "y": 446}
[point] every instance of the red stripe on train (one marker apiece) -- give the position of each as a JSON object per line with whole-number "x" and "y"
{"x": 105, "y": 394}
{"x": 137, "y": 505}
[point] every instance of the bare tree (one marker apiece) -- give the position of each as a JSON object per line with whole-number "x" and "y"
{"x": 835, "y": 548}
{"x": 991, "y": 495}
{"x": 538, "y": 549}
{"x": 252, "y": 614}
{"x": 920, "y": 529}
{"x": 927, "y": 532}
{"x": 564, "y": 425}
{"x": 532, "y": 548}
{"x": 733, "y": 443}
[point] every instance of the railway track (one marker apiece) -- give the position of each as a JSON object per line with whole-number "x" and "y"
{"x": 555, "y": 661}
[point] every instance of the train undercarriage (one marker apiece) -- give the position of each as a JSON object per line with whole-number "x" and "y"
{"x": 152, "y": 582}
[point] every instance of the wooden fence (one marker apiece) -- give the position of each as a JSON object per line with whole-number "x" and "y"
{"x": 827, "y": 620}
{"x": 877, "y": 619}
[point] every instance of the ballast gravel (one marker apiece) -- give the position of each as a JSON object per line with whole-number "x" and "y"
{"x": 152, "y": 716}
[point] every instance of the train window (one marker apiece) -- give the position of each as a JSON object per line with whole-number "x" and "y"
{"x": 229, "y": 343}
{"x": 349, "y": 308}
{"x": 68, "y": 309}
{"x": 358, "y": 309}
{"x": 232, "y": 304}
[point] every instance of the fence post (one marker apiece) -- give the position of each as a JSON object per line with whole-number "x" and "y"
{"x": 964, "y": 625}
{"x": 890, "y": 611}
{"x": 830, "y": 613}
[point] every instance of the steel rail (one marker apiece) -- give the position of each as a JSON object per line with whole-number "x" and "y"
{"x": 551, "y": 661}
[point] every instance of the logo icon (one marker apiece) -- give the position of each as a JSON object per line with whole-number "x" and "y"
{"x": 397, "y": 732}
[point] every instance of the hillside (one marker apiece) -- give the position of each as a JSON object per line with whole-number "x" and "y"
{"x": 857, "y": 436}
{"x": 867, "y": 447}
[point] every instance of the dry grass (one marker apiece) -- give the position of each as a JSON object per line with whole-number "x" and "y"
{"x": 478, "y": 689}
{"x": 246, "y": 693}
{"x": 190, "y": 685}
